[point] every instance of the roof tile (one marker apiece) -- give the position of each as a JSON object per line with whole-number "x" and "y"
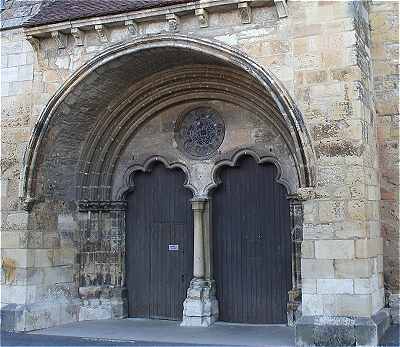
{"x": 64, "y": 10}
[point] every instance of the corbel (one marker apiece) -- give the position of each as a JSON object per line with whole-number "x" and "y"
{"x": 245, "y": 12}
{"x": 101, "y": 33}
{"x": 132, "y": 27}
{"x": 35, "y": 43}
{"x": 78, "y": 35}
{"x": 281, "y": 8}
{"x": 173, "y": 22}
{"x": 60, "y": 38}
{"x": 202, "y": 16}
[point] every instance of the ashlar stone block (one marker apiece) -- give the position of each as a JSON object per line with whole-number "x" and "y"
{"x": 307, "y": 249}
{"x": 367, "y": 248}
{"x": 317, "y": 268}
{"x": 353, "y": 268}
{"x": 334, "y": 249}
{"x": 335, "y": 286}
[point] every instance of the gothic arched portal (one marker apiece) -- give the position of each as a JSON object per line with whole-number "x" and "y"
{"x": 119, "y": 112}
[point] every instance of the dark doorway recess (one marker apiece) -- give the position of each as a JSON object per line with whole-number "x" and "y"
{"x": 251, "y": 244}
{"x": 159, "y": 244}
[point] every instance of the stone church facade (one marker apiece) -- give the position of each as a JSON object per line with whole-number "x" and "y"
{"x": 200, "y": 161}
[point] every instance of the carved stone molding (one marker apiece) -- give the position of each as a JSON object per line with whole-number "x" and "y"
{"x": 202, "y": 16}
{"x": 132, "y": 27}
{"x": 267, "y": 87}
{"x": 101, "y": 33}
{"x": 60, "y": 38}
{"x": 86, "y": 205}
{"x": 173, "y": 23}
{"x": 281, "y": 8}
{"x": 78, "y": 36}
{"x": 245, "y": 12}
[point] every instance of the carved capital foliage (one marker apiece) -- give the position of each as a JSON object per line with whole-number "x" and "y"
{"x": 86, "y": 205}
{"x": 202, "y": 16}
{"x": 60, "y": 38}
{"x": 245, "y": 12}
{"x": 304, "y": 194}
{"x": 173, "y": 23}
{"x": 78, "y": 36}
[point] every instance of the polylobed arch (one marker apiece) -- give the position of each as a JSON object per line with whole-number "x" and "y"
{"x": 95, "y": 87}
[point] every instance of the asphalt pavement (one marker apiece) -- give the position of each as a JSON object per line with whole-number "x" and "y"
{"x": 156, "y": 333}
{"x": 26, "y": 339}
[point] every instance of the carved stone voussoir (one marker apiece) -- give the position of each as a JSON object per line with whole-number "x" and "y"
{"x": 86, "y": 205}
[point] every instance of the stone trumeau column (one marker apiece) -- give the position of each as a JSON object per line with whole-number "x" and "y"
{"x": 342, "y": 273}
{"x": 200, "y": 307}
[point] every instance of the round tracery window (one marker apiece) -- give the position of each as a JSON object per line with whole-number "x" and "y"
{"x": 200, "y": 132}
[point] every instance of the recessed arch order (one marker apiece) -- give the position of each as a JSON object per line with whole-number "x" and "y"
{"x": 89, "y": 90}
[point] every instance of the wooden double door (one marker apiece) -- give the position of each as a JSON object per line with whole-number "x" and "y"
{"x": 159, "y": 244}
{"x": 251, "y": 244}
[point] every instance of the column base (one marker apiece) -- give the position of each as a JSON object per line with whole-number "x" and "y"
{"x": 341, "y": 331}
{"x": 394, "y": 306}
{"x": 102, "y": 303}
{"x": 200, "y": 309}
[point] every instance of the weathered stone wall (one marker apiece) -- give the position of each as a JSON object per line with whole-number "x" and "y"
{"x": 321, "y": 54}
{"x": 384, "y": 21}
{"x": 37, "y": 250}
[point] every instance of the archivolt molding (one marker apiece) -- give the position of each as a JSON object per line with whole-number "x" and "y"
{"x": 288, "y": 111}
{"x": 129, "y": 117}
{"x": 280, "y": 178}
{"x": 128, "y": 182}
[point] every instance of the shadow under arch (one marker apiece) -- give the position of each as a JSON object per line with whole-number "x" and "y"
{"x": 95, "y": 71}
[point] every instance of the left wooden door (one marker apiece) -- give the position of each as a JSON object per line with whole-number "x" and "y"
{"x": 159, "y": 244}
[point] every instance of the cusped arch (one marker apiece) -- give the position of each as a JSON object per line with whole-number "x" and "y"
{"x": 128, "y": 182}
{"x": 281, "y": 176}
{"x": 218, "y": 52}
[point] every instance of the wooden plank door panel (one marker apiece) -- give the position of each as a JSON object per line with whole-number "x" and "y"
{"x": 251, "y": 244}
{"x": 159, "y": 215}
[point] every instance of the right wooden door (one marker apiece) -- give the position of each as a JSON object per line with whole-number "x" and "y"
{"x": 251, "y": 244}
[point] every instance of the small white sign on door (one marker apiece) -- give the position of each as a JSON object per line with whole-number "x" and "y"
{"x": 173, "y": 247}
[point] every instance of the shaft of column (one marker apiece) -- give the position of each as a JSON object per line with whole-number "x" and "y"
{"x": 198, "y": 247}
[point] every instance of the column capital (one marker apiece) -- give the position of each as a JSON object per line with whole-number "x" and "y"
{"x": 305, "y": 193}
